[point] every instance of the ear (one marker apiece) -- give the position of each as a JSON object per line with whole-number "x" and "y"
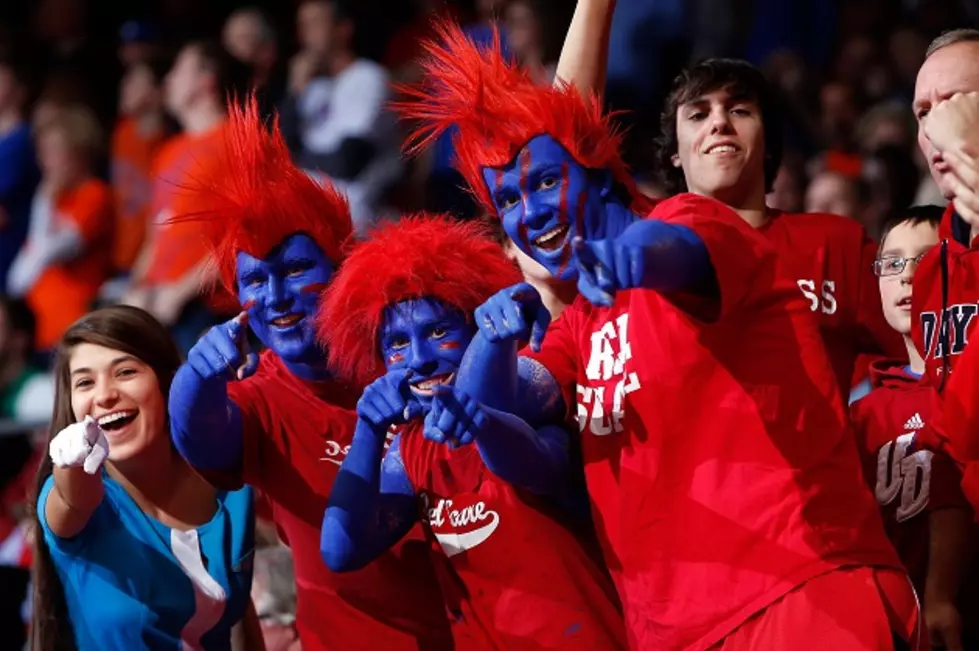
{"x": 675, "y": 159}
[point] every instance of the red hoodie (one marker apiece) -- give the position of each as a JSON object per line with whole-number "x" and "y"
{"x": 946, "y": 292}
{"x": 908, "y": 481}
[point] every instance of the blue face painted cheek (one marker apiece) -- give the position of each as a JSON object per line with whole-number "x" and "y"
{"x": 284, "y": 303}
{"x": 428, "y": 338}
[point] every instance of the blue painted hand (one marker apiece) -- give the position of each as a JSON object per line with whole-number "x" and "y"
{"x": 455, "y": 418}
{"x": 608, "y": 266}
{"x": 516, "y": 313}
{"x": 388, "y": 401}
{"x": 223, "y": 352}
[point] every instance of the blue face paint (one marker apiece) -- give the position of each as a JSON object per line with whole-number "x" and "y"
{"x": 545, "y": 198}
{"x": 428, "y": 338}
{"x": 282, "y": 292}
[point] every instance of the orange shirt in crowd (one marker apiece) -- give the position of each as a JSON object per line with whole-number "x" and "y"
{"x": 65, "y": 291}
{"x": 178, "y": 247}
{"x": 132, "y": 185}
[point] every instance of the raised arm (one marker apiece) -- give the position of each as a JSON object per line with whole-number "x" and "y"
{"x": 584, "y": 56}
{"x": 77, "y": 453}
{"x": 372, "y": 504}
{"x": 206, "y": 426}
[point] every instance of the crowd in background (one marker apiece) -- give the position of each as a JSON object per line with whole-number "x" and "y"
{"x": 104, "y": 118}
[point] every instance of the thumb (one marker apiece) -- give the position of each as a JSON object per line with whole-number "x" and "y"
{"x": 248, "y": 369}
{"x": 539, "y": 328}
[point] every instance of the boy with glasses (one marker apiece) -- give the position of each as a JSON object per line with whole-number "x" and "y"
{"x": 925, "y": 513}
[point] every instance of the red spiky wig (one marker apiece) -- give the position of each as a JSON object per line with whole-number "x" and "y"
{"x": 431, "y": 256}
{"x": 252, "y": 196}
{"x": 497, "y": 109}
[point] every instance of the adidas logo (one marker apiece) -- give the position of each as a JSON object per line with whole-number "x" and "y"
{"x": 914, "y": 422}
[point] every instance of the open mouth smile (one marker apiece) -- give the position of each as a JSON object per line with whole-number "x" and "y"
{"x": 426, "y": 388}
{"x": 552, "y": 240}
{"x": 286, "y": 321}
{"x": 117, "y": 419}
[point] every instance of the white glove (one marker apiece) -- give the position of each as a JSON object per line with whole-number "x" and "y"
{"x": 80, "y": 444}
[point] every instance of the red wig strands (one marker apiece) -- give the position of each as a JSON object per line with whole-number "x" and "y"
{"x": 422, "y": 256}
{"x": 252, "y": 197}
{"x": 498, "y": 109}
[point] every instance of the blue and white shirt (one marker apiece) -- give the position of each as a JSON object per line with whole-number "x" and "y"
{"x": 133, "y": 583}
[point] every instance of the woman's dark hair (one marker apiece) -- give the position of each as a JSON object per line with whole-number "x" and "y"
{"x": 742, "y": 80}
{"x": 126, "y": 329}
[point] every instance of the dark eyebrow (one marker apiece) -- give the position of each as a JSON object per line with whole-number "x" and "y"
{"x": 115, "y": 362}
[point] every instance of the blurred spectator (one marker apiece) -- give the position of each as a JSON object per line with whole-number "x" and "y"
{"x": 26, "y": 402}
{"x": 71, "y": 52}
{"x": 890, "y": 180}
{"x": 18, "y": 169}
{"x": 59, "y": 91}
{"x": 274, "y": 596}
{"x": 335, "y": 117}
{"x": 67, "y": 253}
{"x": 888, "y": 123}
{"x": 532, "y": 45}
{"x": 907, "y": 52}
{"x": 141, "y": 129}
{"x": 26, "y": 391}
{"x": 139, "y": 40}
{"x": 167, "y": 275}
{"x": 789, "y": 188}
{"x": 834, "y": 193}
{"x": 249, "y": 36}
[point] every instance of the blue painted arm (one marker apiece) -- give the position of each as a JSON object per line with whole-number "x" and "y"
{"x": 372, "y": 504}
{"x": 649, "y": 254}
{"x": 205, "y": 424}
{"x": 516, "y": 453}
{"x": 493, "y": 374}
{"x": 675, "y": 256}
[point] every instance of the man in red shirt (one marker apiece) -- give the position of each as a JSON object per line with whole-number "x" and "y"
{"x": 721, "y": 137}
{"x": 946, "y": 300}
{"x": 398, "y": 317}
{"x": 925, "y": 513}
{"x": 715, "y": 444}
{"x": 279, "y": 422}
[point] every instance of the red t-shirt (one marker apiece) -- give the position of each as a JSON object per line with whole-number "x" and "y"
{"x": 719, "y": 462}
{"x": 296, "y": 435}
{"x": 909, "y": 482}
{"x": 831, "y": 258}
{"x": 515, "y": 577}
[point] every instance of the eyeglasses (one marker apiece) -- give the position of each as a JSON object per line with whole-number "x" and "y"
{"x": 893, "y": 265}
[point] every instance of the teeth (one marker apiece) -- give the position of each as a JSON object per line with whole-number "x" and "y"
{"x": 426, "y": 387}
{"x": 724, "y": 149}
{"x": 114, "y": 416}
{"x": 551, "y": 235}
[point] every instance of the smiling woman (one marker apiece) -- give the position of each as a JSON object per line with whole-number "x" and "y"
{"x": 115, "y": 496}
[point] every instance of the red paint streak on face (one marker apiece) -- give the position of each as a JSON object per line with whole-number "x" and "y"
{"x": 524, "y": 181}
{"x": 449, "y": 345}
{"x": 565, "y": 218}
{"x": 499, "y": 179}
{"x": 313, "y": 288}
{"x": 395, "y": 358}
{"x": 249, "y": 304}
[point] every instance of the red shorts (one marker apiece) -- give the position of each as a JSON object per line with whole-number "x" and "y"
{"x": 850, "y": 609}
